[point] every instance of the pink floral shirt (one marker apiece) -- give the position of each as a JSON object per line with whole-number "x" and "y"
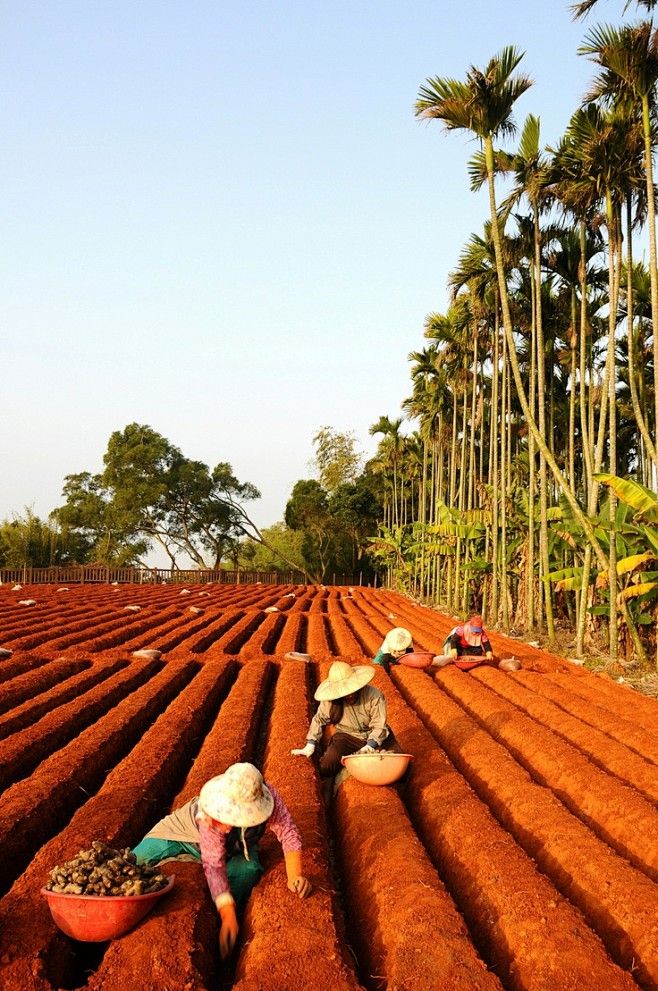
{"x": 213, "y": 846}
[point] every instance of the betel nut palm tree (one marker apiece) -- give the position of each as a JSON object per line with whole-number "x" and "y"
{"x": 483, "y": 106}
{"x": 583, "y": 7}
{"x": 628, "y": 61}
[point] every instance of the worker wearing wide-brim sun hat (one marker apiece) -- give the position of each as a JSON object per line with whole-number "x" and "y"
{"x": 395, "y": 644}
{"x": 357, "y": 711}
{"x": 222, "y": 828}
{"x": 466, "y": 646}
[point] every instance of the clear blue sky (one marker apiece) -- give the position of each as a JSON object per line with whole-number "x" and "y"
{"x": 223, "y": 220}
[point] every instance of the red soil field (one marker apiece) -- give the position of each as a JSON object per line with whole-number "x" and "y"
{"x": 518, "y": 853}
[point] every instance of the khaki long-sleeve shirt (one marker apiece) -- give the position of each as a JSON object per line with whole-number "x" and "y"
{"x": 366, "y": 719}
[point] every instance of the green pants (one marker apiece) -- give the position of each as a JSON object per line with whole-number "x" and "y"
{"x": 243, "y": 875}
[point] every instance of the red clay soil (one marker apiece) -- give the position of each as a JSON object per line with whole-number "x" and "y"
{"x": 531, "y": 936}
{"x": 11, "y": 667}
{"x": 32, "y": 683}
{"x": 615, "y": 812}
{"x": 516, "y": 854}
{"x": 615, "y": 721}
{"x": 25, "y": 748}
{"x": 609, "y": 754}
{"x": 288, "y": 942}
{"x": 24, "y": 715}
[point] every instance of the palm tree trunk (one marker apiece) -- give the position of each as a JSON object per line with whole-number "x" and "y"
{"x": 632, "y": 375}
{"x": 614, "y": 271}
{"x": 543, "y": 480}
{"x": 493, "y": 477}
{"x": 582, "y": 520}
{"x": 471, "y": 444}
{"x": 504, "y": 475}
{"x": 653, "y": 255}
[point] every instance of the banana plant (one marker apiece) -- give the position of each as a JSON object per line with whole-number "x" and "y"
{"x": 636, "y": 528}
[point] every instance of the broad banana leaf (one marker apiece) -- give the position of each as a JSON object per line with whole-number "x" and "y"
{"x": 640, "y": 498}
{"x": 570, "y": 584}
{"x": 626, "y": 564}
{"x": 634, "y": 590}
{"x": 568, "y": 539}
{"x": 557, "y": 576}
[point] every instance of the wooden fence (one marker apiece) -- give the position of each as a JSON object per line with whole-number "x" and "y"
{"x": 94, "y": 574}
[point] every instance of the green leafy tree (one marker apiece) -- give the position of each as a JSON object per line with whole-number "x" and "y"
{"x": 356, "y": 509}
{"x": 336, "y": 459}
{"x": 109, "y": 533}
{"x": 283, "y": 545}
{"x": 307, "y": 511}
{"x": 30, "y": 541}
{"x": 150, "y": 493}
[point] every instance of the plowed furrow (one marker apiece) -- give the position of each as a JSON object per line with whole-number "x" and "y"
{"x": 610, "y": 808}
{"x": 33, "y": 809}
{"x": 607, "y": 753}
{"x": 517, "y": 917}
{"x": 29, "y": 712}
{"x": 317, "y": 948}
{"x": 35, "y": 955}
{"x": 24, "y": 750}
{"x": 636, "y": 737}
{"x": 619, "y": 902}
{"x": 31, "y": 683}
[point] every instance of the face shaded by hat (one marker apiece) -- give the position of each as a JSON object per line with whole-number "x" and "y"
{"x": 343, "y": 680}
{"x": 239, "y": 797}
{"x": 475, "y": 623}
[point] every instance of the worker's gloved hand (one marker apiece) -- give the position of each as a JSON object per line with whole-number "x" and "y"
{"x": 489, "y": 655}
{"x": 454, "y": 653}
{"x": 367, "y": 750}
{"x": 306, "y": 751}
{"x": 228, "y": 932}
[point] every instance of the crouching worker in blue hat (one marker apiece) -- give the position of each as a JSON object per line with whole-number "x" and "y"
{"x": 221, "y": 828}
{"x": 357, "y": 713}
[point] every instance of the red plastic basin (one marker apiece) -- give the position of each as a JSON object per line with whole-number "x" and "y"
{"x": 96, "y": 918}
{"x": 419, "y": 659}
{"x": 468, "y": 661}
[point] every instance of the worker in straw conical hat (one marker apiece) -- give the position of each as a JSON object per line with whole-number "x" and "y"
{"x": 222, "y": 827}
{"x": 395, "y": 644}
{"x": 356, "y": 710}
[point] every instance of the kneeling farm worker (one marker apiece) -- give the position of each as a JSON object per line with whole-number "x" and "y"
{"x": 395, "y": 645}
{"x": 356, "y": 710}
{"x": 467, "y": 646}
{"x": 221, "y": 828}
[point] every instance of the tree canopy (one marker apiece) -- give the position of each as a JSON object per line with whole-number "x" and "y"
{"x": 149, "y": 494}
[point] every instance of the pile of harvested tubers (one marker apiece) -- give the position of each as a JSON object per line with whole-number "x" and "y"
{"x": 104, "y": 871}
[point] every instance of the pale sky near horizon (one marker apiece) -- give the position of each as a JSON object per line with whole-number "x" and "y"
{"x": 223, "y": 219}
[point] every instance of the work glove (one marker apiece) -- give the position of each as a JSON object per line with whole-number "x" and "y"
{"x": 367, "y": 750}
{"x": 296, "y": 881}
{"x": 306, "y": 751}
{"x": 229, "y": 929}
{"x": 489, "y": 655}
{"x": 454, "y": 653}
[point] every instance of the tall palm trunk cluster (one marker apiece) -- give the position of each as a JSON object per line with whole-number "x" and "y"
{"x": 527, "y": 488}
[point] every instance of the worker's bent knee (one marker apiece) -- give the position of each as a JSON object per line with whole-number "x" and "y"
{"x": 329, "y": 767}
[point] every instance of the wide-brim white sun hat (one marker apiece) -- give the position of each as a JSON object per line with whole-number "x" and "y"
{"x": 397, "y": 641}
{"x": 239, "y": 797}
{"x": 343, "y": 680}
